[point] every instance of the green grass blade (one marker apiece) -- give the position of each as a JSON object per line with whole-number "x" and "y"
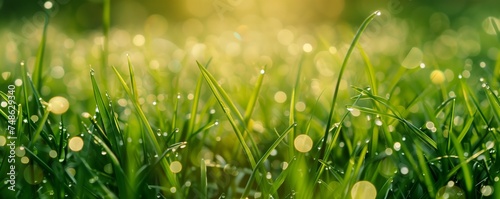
{"x": 342, "y": 69}
{"x": 106, "y": 24}
{"x": 264, "y": 158}
{"x": 217, "y": 90}
{"x": 132, "y": 79}
{"x": 255, "y": 94}
{"x": 194, "y": 107}
{"x": 467, "y": 126}
{"x": 425, "y": 172}
{"x": 38, "y": 69}
{"x": 291, "y": 117}
{"x": 4, "y": 97}
{"x": 283, "y": 176}
{"x": 107, "y": 192}
{"x": 370, "y": 70}
{"x": 150, "y": 135}
{"x": 203, "y": 178}
{"x": 230, "y": 106}
{"x": 110, "y": 128}
{"x": 468, "y": 175}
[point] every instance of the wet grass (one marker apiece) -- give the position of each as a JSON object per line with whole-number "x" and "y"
{"x": 149, "y": 133}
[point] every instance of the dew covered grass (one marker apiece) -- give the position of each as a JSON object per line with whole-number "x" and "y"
{"x": 254, "y": 108}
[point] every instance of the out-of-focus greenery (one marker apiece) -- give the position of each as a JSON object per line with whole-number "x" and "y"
{"x": 231, "y": 98}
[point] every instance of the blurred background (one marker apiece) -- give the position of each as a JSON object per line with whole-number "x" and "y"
{"x": 161, "y": 37}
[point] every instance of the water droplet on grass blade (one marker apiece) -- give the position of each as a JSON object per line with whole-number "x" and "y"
{"x": 397, "y": 146}
{"x": 354, "y": 112}
{"x": 268, "y": 175}
{"x": 284, "y": 165}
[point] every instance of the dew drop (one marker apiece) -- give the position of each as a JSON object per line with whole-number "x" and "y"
{"x": 268, "y": 175}
{"x": 404, "y": 170}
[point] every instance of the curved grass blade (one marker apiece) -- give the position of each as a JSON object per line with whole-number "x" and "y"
{"x": 291, "y": 117}
{"x": 149, "y": 136}
{"x": 204, "y": 187}
{"x": 264, "y": 158}
{"x": 342, "y": 69}
{"x": 283, "y": 176}
{"x": 194, "y": 107}
{"x": 328, "y": 142}
{"x": 231, "y": 107}
{"x": 217, "y": 91}
{"x": 111, "y": 130}
{"x": 369, "y": 69}
{"x": 253, "y": 98}
{"x": 108, "y": 193}
{"x": 425, "y": 172}
{"x": 37, "y": 72}
{"x": 106, "y": 23}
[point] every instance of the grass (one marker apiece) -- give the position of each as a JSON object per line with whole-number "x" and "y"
{"x": 150, "y": 133}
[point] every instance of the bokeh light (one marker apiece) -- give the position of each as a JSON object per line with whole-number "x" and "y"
{"x": 53, "y": 153}
{"x": 75, "y": 143}
{"x": 487, "y": 190}
{"x": 450, "y": 191}
{"x": 33, "y": 174}
{"x": 3, "y": 140}
{"x": 413, "y": 59}
{"x": 437, "y": 77}
{"x": 58, "y": 105}
{"x": 363, "y": 190}
{"x": 303, "y": 143}
{"x": 175, "y": 167}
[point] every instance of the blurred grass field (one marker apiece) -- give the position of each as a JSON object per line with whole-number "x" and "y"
{"x": 243, "y": 99}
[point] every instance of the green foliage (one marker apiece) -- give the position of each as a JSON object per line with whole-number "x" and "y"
{"x": 137, "y": 136}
